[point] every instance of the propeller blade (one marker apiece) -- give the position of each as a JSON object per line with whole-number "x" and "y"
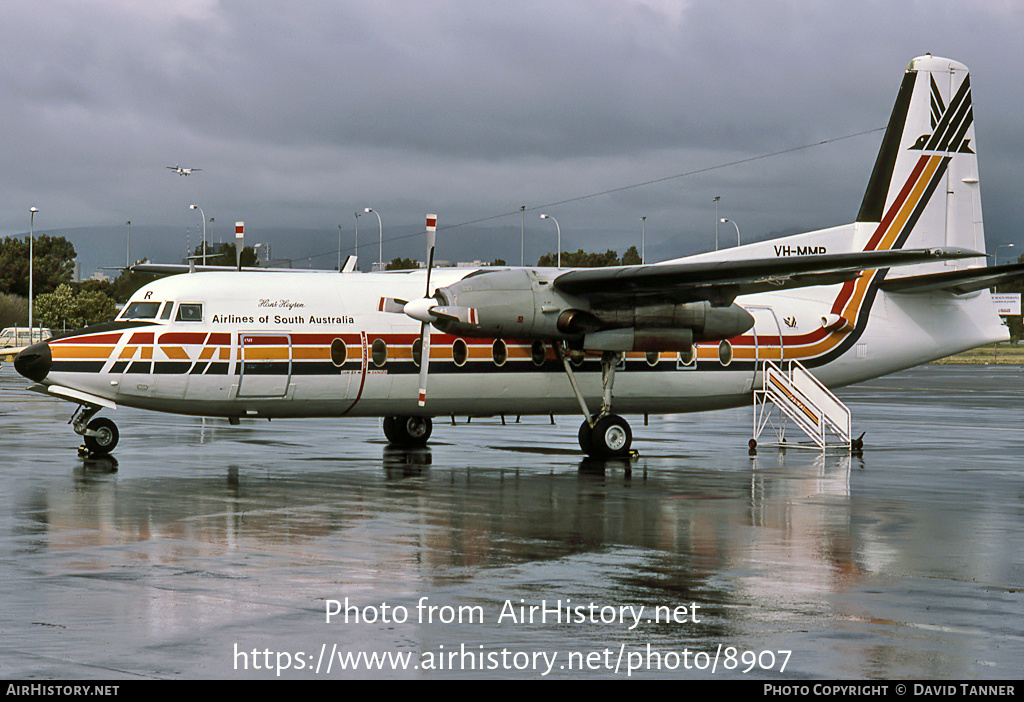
{"x": 466, "y": 315}
{"x": 424, "y": 362}
{"x": 391, "y": 304}
{"x": 426, "y": 319}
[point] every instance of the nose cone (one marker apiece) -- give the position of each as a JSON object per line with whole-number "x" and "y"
{"x": 34, "y": 362}
{"x": 418, "y": 309}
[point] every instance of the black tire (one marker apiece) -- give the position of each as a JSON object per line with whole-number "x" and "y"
{"x": 611, "y": 437}
{"x": 106, "y": 437}
{"x": 408, "y": 431}
{"x": 586, "y": 438}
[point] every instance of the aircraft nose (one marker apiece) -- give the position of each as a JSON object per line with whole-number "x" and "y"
{"x": 34, "y": 362}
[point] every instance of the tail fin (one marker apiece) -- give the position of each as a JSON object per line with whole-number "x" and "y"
{"x": 923, "y": 190}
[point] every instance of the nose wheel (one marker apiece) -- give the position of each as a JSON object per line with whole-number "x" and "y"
{"x": 100, "y": 435}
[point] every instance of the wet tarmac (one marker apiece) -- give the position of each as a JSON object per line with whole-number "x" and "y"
{"x": 309, "y": 549}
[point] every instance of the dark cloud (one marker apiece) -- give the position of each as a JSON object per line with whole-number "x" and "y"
{"x": 300, "y": 115}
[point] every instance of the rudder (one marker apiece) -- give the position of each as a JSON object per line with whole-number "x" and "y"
{"x": 924, "y": 191}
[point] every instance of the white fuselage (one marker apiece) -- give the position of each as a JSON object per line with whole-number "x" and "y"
{"x": 314, "y": 344}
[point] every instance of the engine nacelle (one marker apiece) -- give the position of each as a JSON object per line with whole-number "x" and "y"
{"x": 704, "y": 320}
{"x": 518, "y": 303}
{"x": 508, "y": 303}
{"x": 633, "y": 339}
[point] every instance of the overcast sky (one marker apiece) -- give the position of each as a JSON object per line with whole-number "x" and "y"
{"x": 301, "y": 113}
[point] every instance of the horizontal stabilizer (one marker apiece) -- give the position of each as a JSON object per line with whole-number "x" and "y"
{"x": 958, "y": 282}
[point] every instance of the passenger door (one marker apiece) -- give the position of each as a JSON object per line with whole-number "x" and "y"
{"x": 265, "y": 363}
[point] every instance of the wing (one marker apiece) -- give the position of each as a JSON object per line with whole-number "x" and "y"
{"x": 722, "y": 281}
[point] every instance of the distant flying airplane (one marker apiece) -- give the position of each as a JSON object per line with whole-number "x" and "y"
{"x": 904, "y": 284}
{"x": 183, "y": 171}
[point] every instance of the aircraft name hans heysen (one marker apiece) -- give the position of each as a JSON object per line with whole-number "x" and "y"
{"x": 288, "y": 304}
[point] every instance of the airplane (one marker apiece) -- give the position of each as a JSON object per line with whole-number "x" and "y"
{"x": 904, "y": 284}
{"x": 183, "y": 171}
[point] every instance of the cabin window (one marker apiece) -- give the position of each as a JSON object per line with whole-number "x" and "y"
{"x": 499, "y": 352}
{"x": 339, "y": 353}
{"x": 189, "y": 312}
{"x": 141, "y": 310}
{"x": 725, "y": 352}
{"x": 652, "y": 358}
{"x": 538, "y": 352}
{"x": 460, "y": 352}
{"x": 688, "y": 356}
{"x": 379, "y": 353}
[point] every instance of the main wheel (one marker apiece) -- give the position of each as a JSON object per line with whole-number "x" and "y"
{"x": 611, "y": 437}
{"x": 408, "y": 431}
{"x": 105, "y": 438}
{"x": 586, "y": 437}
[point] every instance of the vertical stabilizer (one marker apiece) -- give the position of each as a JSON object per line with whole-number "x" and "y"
{"x": 924, "y": 189}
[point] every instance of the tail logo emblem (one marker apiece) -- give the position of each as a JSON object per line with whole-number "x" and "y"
{"x": 949, "y": 122}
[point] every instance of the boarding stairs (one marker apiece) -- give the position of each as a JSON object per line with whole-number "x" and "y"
{"x": 801, "y": 398}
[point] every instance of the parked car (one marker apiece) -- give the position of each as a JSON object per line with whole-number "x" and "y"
{"x": 19, "y": 336}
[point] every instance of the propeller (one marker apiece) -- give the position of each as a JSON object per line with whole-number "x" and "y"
{"x": 425, "y": 321}
{"x": 426, "y": 311}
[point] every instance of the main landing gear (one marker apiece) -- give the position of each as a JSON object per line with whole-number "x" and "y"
{"x": 408, "y": 431}
{"x": 100, "y": 435}
{"x": 602, "y": 435}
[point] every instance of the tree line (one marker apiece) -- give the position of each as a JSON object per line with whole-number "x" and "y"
{"x": 570, "y": 259}
{"x": 61, "y": 303}
{"x": 58, "y": 301}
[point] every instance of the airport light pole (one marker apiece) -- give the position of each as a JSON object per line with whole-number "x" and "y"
{"x": 31, "y": 263}
{"x": 522, "y": 235}
{"x": 559, "y": 230}
{"x": 202, "y": 261}
{"x": 380, "y": 230}
{"x": 339, "y": 248}
{"x": 724, "y": 220}
{"x": 643, "y": 238}
{"x": 355, "y": 248}
{"x": 1004, "y": 246}
{"x": 717, "y": 198}
{"x": 128, "y": 246}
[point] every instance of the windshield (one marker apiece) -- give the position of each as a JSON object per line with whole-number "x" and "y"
{"x": 140, "y": 310}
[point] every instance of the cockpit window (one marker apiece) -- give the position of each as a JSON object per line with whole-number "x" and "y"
{"x": 141, "y": 310}
{"x": 189, "y": 312}
{"x": 168, "y": 306}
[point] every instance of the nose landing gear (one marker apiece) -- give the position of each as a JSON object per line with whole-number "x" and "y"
{"x": 100, "y": 435}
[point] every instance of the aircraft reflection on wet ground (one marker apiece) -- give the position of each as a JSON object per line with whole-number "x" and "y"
{"x": 208, "y": 551}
